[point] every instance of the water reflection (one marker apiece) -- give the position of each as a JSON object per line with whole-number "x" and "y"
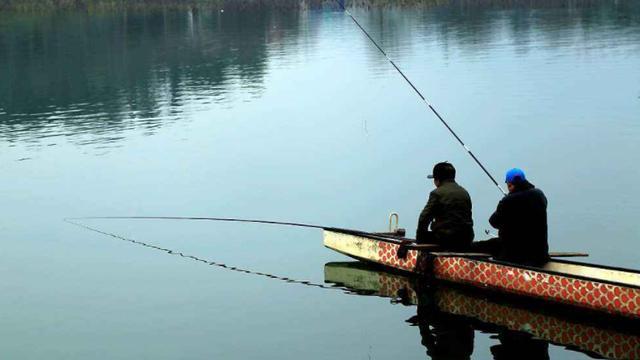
{"x": 103, "y": 75}
{"x": 449, "y": 316}
{"x": 446, "y": 336}
{"x": 73, "y": 74}
{"x": 518, "y": 345}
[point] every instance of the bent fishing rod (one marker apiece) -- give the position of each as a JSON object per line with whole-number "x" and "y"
{"x": 383, "y": 236}
{"x": 422, "y": 97}
{"x": 255, "y": 221}
{"x": 220, "y": 219}
{"x": 211, "y": 262}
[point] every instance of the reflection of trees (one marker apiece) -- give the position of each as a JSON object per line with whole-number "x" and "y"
{"x": 108, "y": 72}
{"x": 33, "y": 5}
{"x": 102, "y": 73}
{"x": 471, "y": 25}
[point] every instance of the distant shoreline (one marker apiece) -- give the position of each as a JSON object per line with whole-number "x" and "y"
{"x": 115, "y": 5}
{"x": 111, "y": 5}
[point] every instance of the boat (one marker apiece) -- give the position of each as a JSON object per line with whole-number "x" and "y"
{"x": 602, "y": 289}
{"x": 488, "y": 314}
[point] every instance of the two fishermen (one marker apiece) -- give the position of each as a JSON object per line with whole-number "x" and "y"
{"x": 521, "y": 219}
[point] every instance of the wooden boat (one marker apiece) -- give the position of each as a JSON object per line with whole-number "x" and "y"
{"x": 600, "y": 288}
{"x": 603, "y": 340}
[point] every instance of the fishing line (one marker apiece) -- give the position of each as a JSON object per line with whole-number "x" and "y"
{"x": 211, "y": 263}
{"x": 424, "y": 99}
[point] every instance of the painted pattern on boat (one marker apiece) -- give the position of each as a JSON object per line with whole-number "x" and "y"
{"x": 606, "y": 342}
{"x": 588, "y": 294}
{"x": 381, "y": 252}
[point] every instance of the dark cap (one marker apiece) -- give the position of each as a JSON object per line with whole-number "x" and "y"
{"x": 443, "y": 171}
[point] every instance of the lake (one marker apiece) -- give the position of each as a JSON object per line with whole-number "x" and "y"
{"x": 290, "y": 114}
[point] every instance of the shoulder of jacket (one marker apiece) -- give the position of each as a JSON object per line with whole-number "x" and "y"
{"x": 508, "y": 198}
{"x": 461, "y": 188}
{"x": 538, "y": 190}
{"x": 540, "y": 194}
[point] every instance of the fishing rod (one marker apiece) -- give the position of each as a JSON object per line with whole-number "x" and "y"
{"x": 221, "y": 219}
{"x": 381, "y": 236}
{"x": 209, "y": 262}
{"x": 197, "y": 218}
{"x": 424, "y": 99}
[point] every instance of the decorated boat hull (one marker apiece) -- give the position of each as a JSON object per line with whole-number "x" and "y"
{"x": 599, "y": 288}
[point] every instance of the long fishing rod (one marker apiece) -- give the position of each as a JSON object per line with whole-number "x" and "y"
{"x": 424, "y": 99}
{"x": 255, "y": 221}
{"x": 212, "y": 263}
{"x": 380, "y": 236}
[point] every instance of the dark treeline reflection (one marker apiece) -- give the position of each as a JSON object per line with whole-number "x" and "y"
{"x": 102, "y": 5}
{"x": 76, "y": 73}
{"x": 109, "y": 72}
{"x": 473, "y": 26}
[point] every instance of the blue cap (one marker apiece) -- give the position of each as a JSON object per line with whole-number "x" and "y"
{"x": 515, "y": 176}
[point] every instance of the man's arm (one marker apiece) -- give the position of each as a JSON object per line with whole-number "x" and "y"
{"x": 497, "y": 218}
{"x": 428, "y": 213}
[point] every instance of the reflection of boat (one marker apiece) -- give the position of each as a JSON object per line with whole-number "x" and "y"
{"x": 594, "y": 287}
{"x": 486, "y": 312}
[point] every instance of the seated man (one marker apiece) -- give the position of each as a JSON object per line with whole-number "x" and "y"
{"x": 521, "y": 220}
{"x": 448, "y": 212}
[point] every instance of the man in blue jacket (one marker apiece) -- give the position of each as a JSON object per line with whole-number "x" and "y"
{"x": 521, "y": 220}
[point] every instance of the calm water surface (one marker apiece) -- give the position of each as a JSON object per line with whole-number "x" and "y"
{"x": 288, "y": 115}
